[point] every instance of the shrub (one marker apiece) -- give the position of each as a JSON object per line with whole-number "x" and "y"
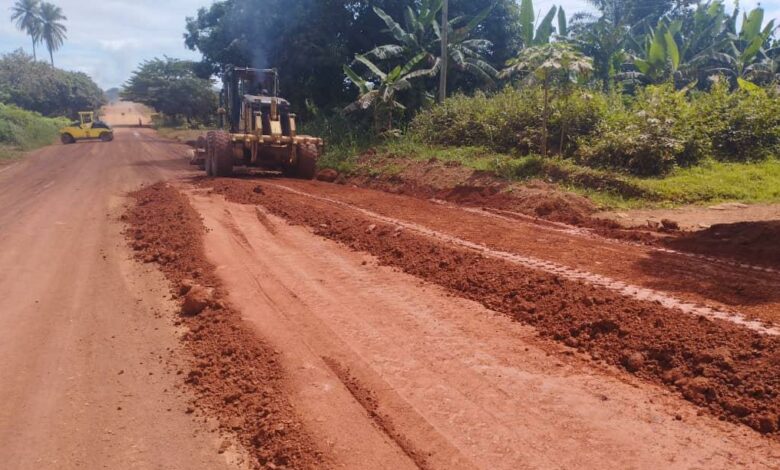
{"x": 647, "y": 137}
{"x": 27, "y": 130}
{"x": 509, "y": 121}
{"x": 742, "y": 125}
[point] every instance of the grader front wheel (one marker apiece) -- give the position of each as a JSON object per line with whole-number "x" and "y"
{"x": 222, "y": 154}
{"x": 307, "y": 161}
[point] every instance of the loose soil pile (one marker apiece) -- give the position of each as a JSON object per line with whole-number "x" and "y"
{"x": 236, "y": 378}
{"x": 750, "y": 242}
{"x": 728, "y": 371}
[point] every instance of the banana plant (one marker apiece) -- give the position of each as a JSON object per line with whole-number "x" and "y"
{"x": 532, "y": 35}
{"x": 747, "y": 52}
{"x": 380, "y": 91}
{"x": 661, "y": 58}
{"x": 421, "y": 33}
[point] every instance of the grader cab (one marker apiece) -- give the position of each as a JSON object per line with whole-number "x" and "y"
{"x": 257, "y": 129}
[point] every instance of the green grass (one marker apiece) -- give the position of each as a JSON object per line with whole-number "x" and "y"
{"x": 478, "y": 158}
{"x": 22, "y": 131}
{"x": 713, "y": 182}
{"x": 710, "y": 182}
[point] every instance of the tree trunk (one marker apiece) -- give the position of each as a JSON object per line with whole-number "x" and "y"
{"x": 544, "y": 120}
{"x": 390, "y": 119}
{"x": 564, "y": 120}
{"x": 33, "y": 42}
{"x": 51, "y": 56}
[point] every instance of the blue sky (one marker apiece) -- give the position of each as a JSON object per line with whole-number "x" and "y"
{"x": 108, "y": 38}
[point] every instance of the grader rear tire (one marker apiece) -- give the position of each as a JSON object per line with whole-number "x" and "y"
{"x": 222, "y": 156}
{"x": 67, "y": 139}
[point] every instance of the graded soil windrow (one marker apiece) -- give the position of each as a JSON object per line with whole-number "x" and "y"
{"x": 747, "y": 292}
{"x": 725, "y": 369}
{"x": 235, "y": 376}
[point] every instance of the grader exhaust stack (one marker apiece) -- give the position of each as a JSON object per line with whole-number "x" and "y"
{"x": 257, "y": 129}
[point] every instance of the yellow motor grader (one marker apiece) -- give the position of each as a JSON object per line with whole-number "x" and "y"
{"x": 257, "y": 129}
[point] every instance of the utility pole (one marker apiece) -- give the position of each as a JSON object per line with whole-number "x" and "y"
{"x": 445, "y": 54}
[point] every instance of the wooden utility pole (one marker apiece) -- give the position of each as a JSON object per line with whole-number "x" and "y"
{"x": 445, "y": 54}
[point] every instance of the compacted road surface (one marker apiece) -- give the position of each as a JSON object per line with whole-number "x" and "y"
{"x": 82, "y": 378}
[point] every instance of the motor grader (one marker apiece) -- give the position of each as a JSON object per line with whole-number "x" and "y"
{"x": 257, "y": 129}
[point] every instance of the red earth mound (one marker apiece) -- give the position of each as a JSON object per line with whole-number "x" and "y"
{"x": 727, "y": 370}
{"x": 750, "y": 242}
{"x": 235, "y": 377}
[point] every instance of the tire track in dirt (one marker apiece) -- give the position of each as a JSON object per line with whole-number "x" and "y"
{"x": 235, "y": 376}
{"x": 585, "y": 232}
{"x": 628, "y": 290}
{"x": 724, "y": 368}
{"x": 368, "y": 401}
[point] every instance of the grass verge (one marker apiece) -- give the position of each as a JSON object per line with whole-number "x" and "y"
{"x": 710, "y": 182}
{"x": 22, "y": 131}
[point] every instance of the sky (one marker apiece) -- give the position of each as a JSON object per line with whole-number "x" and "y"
{"x": 107, "y": 39}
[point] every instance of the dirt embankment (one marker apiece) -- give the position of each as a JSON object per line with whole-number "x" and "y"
{"x": 749, "y": 242}
{"x": 728, "y": 371}
{"x": 756, "y": 243}
{"x": 455, "y": 183}
{"x": 235, "y": 377}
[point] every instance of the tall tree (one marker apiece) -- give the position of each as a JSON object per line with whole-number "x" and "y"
{"x": 171, "y": 87}
{"x": 53, "y": 32}
{"x": 37, "y": 86}
{"x": 310, "y": 40}
{"x": 26, "y": 15}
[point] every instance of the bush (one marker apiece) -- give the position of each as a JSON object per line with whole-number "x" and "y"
{"x": 344, "y": 136}
{"x": 742, "y": 126}
{"x": 27, "y": 130}
{"x": 651, "y": 135}
{"x": 39, "y": 87}
{"x": 510, "y": 120}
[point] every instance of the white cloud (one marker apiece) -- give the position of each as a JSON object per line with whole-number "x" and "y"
{"x": 108, "y": 39}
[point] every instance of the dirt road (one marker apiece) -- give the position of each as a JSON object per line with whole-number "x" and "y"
{"x": 82, "y": 381}
{"x": 407, "y": 333}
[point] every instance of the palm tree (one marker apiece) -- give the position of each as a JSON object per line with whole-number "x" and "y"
{"x": 26, "y": 15}
{"x": 52, "y": 29}
{"x": 382, "y": 95}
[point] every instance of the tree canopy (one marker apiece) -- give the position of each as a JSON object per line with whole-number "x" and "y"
{"x": 311, "y": 40}
{"x": 171, "y": 87}
{"x": 37, "y": 86}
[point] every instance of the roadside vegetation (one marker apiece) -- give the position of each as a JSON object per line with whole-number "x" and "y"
{"x": 634, "y": 102}
{"x": 37, "y": 99}
{"x": 171, "y": 87}
{"x": 21, "y": 131}
{"x": 680, "y": 107}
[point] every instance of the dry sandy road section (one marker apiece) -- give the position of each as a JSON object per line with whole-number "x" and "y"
{"x": 83, "y": 337}
{"x": 453, "y": 384}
